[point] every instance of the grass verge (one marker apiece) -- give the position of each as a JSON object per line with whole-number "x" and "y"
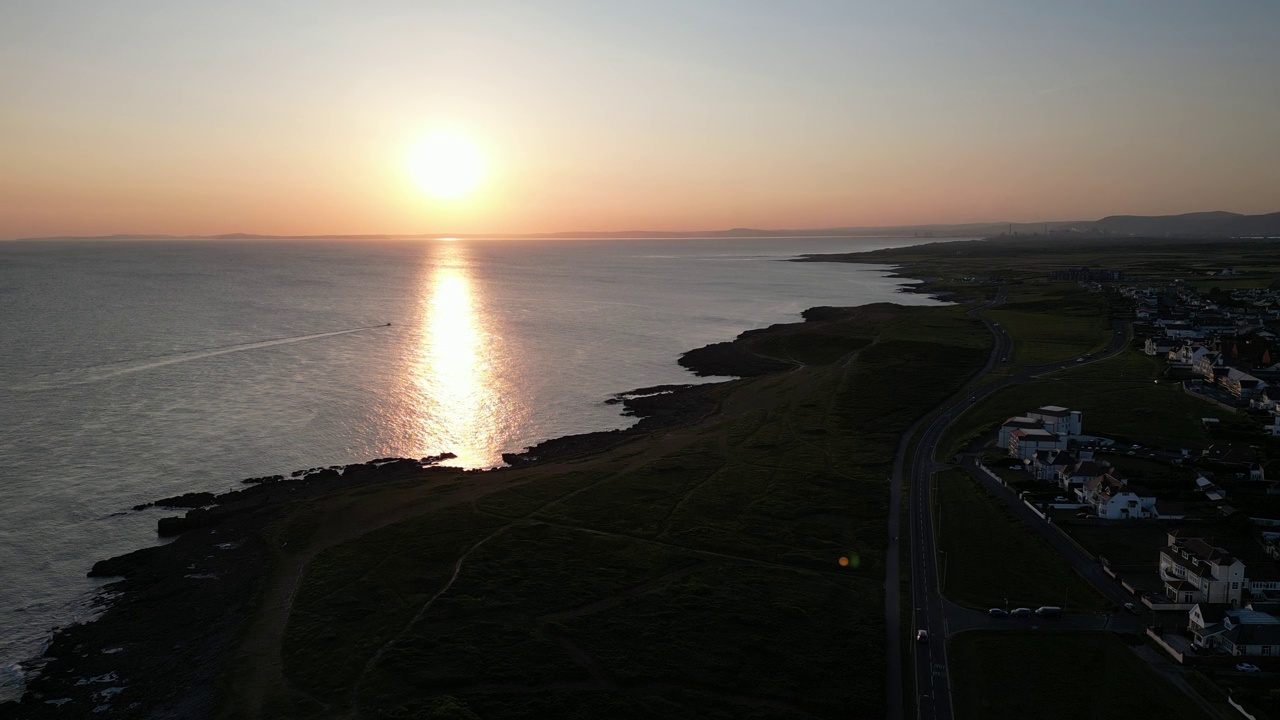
{"x": 1057, "y": 676}
{"x": 993, "y": 558}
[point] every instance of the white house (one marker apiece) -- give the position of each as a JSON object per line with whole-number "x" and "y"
{"x": 1188, "y": 354}
{"x": 1016, "y": 423}
{"x": 1060, "y": 420}
{"x": 1112, "y": 499}
{"x": 1193, "y": 571}
{"x": 1073, "y": 477}
{"x": 1206, "y": 364}
{"x": 1025, "y": 443}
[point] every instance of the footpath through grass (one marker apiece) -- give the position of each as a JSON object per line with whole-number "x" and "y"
{"x": 992, "y": 558}
{"x": 1058, "y": 676}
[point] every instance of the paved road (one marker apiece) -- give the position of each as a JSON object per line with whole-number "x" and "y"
{"x": 930, "y": 610}
{"x": 928, "y": 605}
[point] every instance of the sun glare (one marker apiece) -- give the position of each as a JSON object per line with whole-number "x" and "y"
{"x": 446, "y": 166}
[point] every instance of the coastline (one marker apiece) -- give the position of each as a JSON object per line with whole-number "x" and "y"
{"x": 170, "y": 623}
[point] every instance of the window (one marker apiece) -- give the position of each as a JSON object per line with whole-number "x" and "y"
{"x": 1266, "y": 649}
{"x": 1235, "y": 586}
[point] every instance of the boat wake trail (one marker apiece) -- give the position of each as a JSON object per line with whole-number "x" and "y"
{"x": 98, "y": 373}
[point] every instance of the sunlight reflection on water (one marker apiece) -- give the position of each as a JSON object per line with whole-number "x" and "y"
{"x": 458, "y": 401}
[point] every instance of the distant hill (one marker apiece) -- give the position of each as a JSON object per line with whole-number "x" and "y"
{"x": 1216, "y": 224}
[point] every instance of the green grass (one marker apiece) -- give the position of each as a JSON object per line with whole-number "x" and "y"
{"x": 701, "y": 582}
{"x": 992, "y": 556}
{"x": 1118, "y": 397}
{"x": 1053, "y": 322}
{"x": 1057, "y": 676}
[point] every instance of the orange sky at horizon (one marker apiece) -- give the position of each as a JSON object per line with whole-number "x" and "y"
{"x": 272, "y": 119}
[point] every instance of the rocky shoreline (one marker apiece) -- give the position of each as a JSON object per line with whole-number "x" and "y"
{"x": 171, "y": 621}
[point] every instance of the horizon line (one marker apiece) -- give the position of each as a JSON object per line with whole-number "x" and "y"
{"x": 946, "y": 230}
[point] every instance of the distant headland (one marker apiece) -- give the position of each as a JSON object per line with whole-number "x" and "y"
{"x": 1215, "y": 224}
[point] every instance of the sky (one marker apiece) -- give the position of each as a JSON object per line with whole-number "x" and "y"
{"x": 300, "y": 117}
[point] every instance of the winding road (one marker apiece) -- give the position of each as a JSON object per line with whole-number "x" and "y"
{"x": 930, "y": 611}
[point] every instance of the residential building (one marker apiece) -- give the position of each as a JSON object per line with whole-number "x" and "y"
{"x": 1023, "y": 444}
{"x": 1194, "y": 571}
{"x": 1060, "y": 420}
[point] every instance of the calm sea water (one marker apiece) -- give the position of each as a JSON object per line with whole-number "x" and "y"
{"x": 131, "y": 371}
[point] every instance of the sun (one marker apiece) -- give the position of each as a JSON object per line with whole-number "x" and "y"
{"x": 446, "y": 165}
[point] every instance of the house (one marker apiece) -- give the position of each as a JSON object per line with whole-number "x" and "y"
{"x": 1025, "y": 443}
{"x": 1206, "y": 364}
{"x": 1112, "y": 499}
{"x": 1160, "y": 345}
{"x": 1188, "y": 354}
{"x": 1253, "y": 630}
{"x": 1073, "y": 477}
{"x": 1060, "y": 420}
{"x": 1264, "y": 582}
{"x": 1239, "y": 459}
{"x": 1255, "y": 639}
{"x": 1239, "y": 383}
{"x": 1046, "y": 464}
{"x": 1194, "y": 571}
{"x": 1016, "y": 423}
{"x": 1047, "y": 428}
{"x": 1204, "y": 623}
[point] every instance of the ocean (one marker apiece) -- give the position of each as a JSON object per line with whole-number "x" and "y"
{"x": 136, "y": 370}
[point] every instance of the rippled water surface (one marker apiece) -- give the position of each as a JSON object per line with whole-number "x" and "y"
{"x": 131, "y": 371}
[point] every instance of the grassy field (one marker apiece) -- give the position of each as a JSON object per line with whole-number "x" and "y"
{"x": 1053, "y": 322}
{"x": 1052, "y": 676}
{"x": 991, "y": 556}
{"x": 1022, "y": 259}
{"x": 692, "y": 573}
{"x": 1118, "y": 397}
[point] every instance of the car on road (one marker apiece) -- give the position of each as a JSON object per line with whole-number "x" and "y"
{"x": 1248, "y": 667}
{"x": 1049, "y": 612}
{"x": 1131, "y": 452}
{"x": 922, "y": 636}
{"x": 1079, "y": 359}
{"x": 1082, "y": 515}
{"x": 1131, "y": 608}
{"x": 998, "y": 613}
{"x": 1020, "y": 612}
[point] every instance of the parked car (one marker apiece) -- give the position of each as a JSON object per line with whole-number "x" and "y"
{"x": 1049, "y": 612}
{"x": 997, "y": 613}
{"x": 1082, "y": 514}
{"x": 922, "y": 636}
{"x": 1059, "y": 499}
{"x": 1020, "y": 612}
{"x": 1131, "y": 608}
{"x": 1248, "y": 667}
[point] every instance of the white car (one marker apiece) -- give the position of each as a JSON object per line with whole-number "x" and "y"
{"x": 1248, "y": 667}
